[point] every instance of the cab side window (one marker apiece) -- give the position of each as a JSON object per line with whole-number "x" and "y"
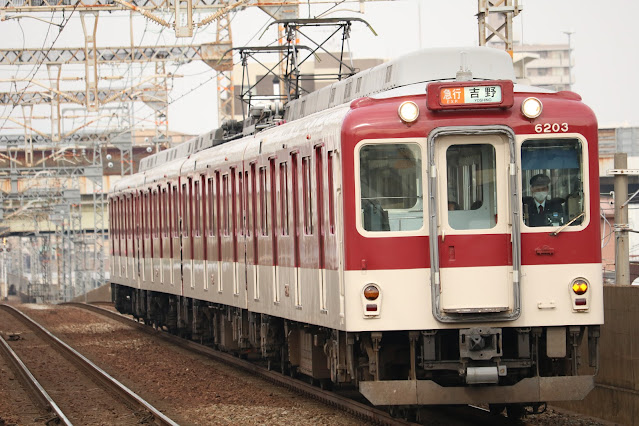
{"x": 391, "y": 187}
{"x": 552, "y": 182}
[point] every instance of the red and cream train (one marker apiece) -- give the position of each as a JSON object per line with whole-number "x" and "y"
{"x": 380, "y": 236}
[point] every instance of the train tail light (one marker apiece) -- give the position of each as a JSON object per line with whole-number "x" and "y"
{"x": 371, "y": 301}
{"x": 371, "y": 292}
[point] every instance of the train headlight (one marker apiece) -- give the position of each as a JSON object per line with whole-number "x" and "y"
{"x": 579, "y": 286}
{"x": 408, "y": 111}
{"x": 531, "y": 107}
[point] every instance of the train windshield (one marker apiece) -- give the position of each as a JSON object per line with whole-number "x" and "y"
{"x": 471, "y": 186}
{"x": 552, "y": 176}
{"x": 391, "y": 187}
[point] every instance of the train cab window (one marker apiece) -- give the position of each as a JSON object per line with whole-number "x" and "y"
{"x": 391, "y": 187}
{"x": 552, "y": 176}
{"x": 471, "y": 186}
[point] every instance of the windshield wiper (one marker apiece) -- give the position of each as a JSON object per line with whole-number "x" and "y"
{"x": 554, "y": 234}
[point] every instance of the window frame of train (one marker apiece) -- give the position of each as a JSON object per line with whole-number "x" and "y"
{"x": 263, "y": 202}
{"x": 165, "y": 215}
{"x": 384, "y": 218}
{"x": 218, "y": 216}
{"x": 284, "y": 213}
{"x": 212, "y": 228}
{"x": 307, "y": 194}
{"x": 112, "y": 224}
{"x": 568, "y": 154}
{"x": 175, "y": 215}
{"x": 184, "y": 216}
{"x": 330, "y": 166}
{"x": 226, "y": 225}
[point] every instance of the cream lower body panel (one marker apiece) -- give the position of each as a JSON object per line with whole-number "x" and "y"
{"x": 407, "y": 303}
{"x": 427, "y": 392}
{"x": 306, "y": 295}
{"x": 156, "y": 280}
{"x": 216, "y": 282}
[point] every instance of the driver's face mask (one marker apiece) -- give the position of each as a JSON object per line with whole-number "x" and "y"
{"x": 540, "y": 196}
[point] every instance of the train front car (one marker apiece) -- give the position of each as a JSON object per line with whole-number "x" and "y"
{"x": 472, "y": 261}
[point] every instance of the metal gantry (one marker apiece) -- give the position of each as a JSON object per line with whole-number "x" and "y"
{"x": 495, "y": 19}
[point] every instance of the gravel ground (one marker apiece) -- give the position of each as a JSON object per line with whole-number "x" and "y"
{"x": 188, "y": 388}
{"x": 79, "y": 398}
{"x": 16, "y": 406}
{"x": 192, "y": 389}
{"x": 556, "y": 416}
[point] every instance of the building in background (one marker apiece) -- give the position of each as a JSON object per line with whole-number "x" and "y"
{"x": 544, "y": 65}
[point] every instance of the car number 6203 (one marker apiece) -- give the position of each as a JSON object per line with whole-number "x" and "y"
{"x": 551, "y": 127}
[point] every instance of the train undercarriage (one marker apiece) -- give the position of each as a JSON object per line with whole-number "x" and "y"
{"x": 506, "y": 367}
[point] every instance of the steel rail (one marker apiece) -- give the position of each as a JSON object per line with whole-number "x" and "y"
{"x": 96, "y": 372}
{"x": 38, "y": 394}
{"x": 361, "y": 411}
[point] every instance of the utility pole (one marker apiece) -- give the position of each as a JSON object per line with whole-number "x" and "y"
{"x": 569, "y": 34}
{"x": 622, "y": 247}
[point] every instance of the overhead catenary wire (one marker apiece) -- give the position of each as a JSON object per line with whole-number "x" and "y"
{"x": 37, "y": 66}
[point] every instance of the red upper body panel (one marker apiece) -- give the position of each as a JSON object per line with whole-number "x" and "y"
{"x": 378, "y": 119}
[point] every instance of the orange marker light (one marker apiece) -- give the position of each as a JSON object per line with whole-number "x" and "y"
{"x": 579, "y": 287}
{"x": 371, "y": 292}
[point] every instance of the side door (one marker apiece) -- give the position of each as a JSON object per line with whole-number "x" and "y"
{"x": 475, "y": 229}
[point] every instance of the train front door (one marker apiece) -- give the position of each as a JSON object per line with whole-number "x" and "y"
{"x": 475, "y": 229}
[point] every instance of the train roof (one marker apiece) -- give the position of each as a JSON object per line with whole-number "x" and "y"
{"x": 406, "y": 75}
{"x": 182, "y": 150}
{"x": 417, "y": 68}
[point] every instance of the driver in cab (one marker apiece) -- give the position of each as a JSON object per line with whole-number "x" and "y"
{"x": 541, "y": 211}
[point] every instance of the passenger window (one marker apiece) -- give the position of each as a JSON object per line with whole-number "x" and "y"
{"x": 307, "y": 195}
{"x": 552, "y": 182}
{"x": 471, "y": 186}
{"x": 284, "y": 198}
{"x": 391, "y": 187}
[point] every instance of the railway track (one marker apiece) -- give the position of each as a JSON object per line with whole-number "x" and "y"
{"x": 448, "y": 415}
{"x": 71, "y": 378}
{"x": 30, "y": 385}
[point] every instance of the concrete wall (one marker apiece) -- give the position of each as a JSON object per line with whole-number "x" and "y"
{"x": 100, "y": 294}
{"x": 616, "y": 394}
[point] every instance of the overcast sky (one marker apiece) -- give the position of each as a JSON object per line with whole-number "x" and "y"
{"x": 606, "y": 54}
